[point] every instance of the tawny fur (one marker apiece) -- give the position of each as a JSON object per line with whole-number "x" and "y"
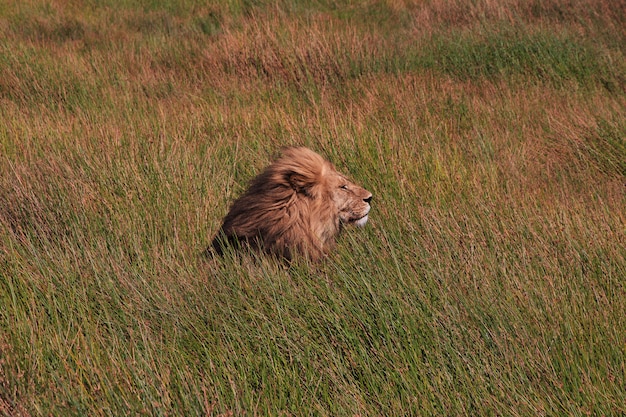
{"x": 298, "y": 204}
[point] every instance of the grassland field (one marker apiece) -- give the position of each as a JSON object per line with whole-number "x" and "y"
{"x": 490, "y": 280}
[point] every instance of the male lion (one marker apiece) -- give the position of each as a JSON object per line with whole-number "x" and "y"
{"x": 298, "y": 204}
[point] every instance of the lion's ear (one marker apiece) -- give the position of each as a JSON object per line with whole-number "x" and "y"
{"x": 299, "y": 182}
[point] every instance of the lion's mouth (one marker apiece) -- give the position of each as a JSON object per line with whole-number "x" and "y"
{"x": 360, "y": 221}
{"x": 355, "y": 218}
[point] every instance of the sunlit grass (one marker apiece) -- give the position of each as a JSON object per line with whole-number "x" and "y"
{"x": 489, "y": 280}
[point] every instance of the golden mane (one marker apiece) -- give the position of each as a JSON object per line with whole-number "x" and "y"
{"x": 296, "y": 205}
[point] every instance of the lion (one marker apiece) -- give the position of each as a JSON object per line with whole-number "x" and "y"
{"x": 298, "y": 204}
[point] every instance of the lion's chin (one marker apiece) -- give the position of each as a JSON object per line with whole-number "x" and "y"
{"x": 360, "y": 222}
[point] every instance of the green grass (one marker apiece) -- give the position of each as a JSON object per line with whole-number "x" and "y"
{"x": 489, "y": 281}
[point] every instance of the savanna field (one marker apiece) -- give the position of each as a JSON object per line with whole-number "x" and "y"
{"x": 490, "y": 279}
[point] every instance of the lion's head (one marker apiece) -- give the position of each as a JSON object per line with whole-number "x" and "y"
{"x": 298, "y": 204}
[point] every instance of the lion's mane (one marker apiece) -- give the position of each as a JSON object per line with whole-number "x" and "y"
{"x": 296, "y": 205}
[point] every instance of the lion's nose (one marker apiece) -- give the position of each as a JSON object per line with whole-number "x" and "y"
{"x": 368, "y": 199}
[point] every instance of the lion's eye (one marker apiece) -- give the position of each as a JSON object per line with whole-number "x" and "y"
{"x": 344, "y": 187}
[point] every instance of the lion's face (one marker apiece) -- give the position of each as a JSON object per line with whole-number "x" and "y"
{"x": 352, "y": 202}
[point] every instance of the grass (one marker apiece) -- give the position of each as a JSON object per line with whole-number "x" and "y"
{"x": 489, "y": 281}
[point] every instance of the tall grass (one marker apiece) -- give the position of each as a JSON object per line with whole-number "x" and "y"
{"x": 489, "y": 281}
